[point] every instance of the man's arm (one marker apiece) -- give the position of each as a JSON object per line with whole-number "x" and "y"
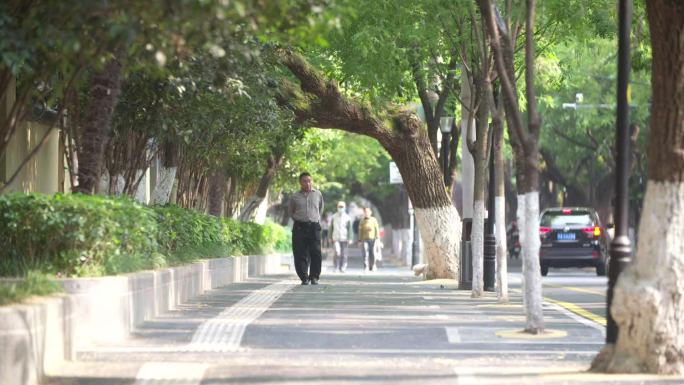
{"x": 321, "y": 205}
{"x": 291, "y": 206}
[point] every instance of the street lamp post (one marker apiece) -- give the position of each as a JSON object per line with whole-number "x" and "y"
{"x": 489, "y": 273}
{"x": 620, "y": 247}
{"x": 445, "y": 124}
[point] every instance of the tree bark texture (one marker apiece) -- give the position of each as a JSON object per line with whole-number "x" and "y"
{"x": 105, "y": 86}
{"x": 648, "y": 301}
{"x": 319, "y": 102}
{"x": 164, "y": 185}
{"x": 217, "y": 192}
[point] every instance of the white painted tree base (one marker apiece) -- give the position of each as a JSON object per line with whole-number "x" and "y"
{"x": 648, "y": 302}
{"x": 501, "y": 250}
{"x": 520, "y": 218}
{"x": 477, "y": 246}
{"x": 440, "y": 229}
{"x": 532, "y": 285}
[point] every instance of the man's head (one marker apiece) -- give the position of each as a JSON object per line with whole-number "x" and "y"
{"x": 341, "y": 206}
{"x": 367, "y": 212}
{"x": 305, "y": 181}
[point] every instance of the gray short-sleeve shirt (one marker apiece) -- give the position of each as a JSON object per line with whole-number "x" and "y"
{"x": 306, "y": 207}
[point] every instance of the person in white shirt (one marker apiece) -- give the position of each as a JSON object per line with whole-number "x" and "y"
{"x": 340, "y": 231}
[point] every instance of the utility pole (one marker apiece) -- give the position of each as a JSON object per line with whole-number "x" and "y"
{"x": 621, "y": 248}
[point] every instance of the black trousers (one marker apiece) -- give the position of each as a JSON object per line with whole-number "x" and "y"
{"x": 306, "y": 247}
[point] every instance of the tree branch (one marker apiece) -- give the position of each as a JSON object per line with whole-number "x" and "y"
{"x": 516, "y": 118}
{"x": 320, "y": 102}
{"x": 574, "y": 141}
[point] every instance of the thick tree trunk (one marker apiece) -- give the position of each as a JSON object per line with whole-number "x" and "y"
{"x": 105, "y": 86}
{"x": 250, "y": 208}
{"x": 648, "y": 301}
{"x": 217, "y": 193}
{"x": 320, "y": 102}
{"x": 437, "y": 218}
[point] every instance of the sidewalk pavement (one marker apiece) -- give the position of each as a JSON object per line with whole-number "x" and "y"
{"x": 384, "y": 327}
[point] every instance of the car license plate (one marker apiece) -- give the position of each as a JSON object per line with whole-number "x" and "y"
{"x": 566, "y": 236}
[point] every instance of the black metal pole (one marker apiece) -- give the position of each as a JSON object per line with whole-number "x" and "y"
{"x": 445, "y": 156}
{"x": 489, "y": 273}
{"x": 620, "y": 247}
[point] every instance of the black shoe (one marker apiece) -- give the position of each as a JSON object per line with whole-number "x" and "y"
{"x": 314, "y": 281}
{"x": 305, "y": 282}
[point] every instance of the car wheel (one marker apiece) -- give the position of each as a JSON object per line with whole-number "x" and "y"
{"x": 601, "y": 269}
{"x": 544, "y": 270}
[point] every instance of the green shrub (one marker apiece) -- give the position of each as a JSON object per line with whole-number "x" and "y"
{"x": 80, "y": 235}
{"x": 34, "y": 284}
{"x": 281, "y": 238}
{"x": 74, "y": 234}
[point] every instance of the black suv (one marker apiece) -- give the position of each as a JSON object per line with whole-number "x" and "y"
{"x": 572, "y": 237}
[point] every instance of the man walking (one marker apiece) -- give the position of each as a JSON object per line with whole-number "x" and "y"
{"x": 340, "y": 231}
{"x": 306, "y": 206}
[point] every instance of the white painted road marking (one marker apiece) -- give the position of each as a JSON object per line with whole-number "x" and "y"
{"x": 577, "y": 318}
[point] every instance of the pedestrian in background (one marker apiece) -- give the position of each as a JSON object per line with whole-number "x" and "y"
{"x": 368, "y": 233}
{"x": 325, "y": 229}
{"x": 340, "y": 232}
{"x": 306, "y": 206}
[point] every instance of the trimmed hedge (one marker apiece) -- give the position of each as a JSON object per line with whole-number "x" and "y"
{"x": 80, "y": 235}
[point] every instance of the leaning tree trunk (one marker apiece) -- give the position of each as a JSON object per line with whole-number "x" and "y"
{"x": 105, "y": 86}
{"x": 648, "y": 300}
{"x": 319, "y": 101}
{"x": 249, "y": 210}
{"x": 437, "y": 218}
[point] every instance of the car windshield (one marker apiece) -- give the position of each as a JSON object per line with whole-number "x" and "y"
{"x": 562, "y": 220}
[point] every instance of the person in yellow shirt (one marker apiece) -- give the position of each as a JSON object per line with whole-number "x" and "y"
{"x": 368, "y": 234}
